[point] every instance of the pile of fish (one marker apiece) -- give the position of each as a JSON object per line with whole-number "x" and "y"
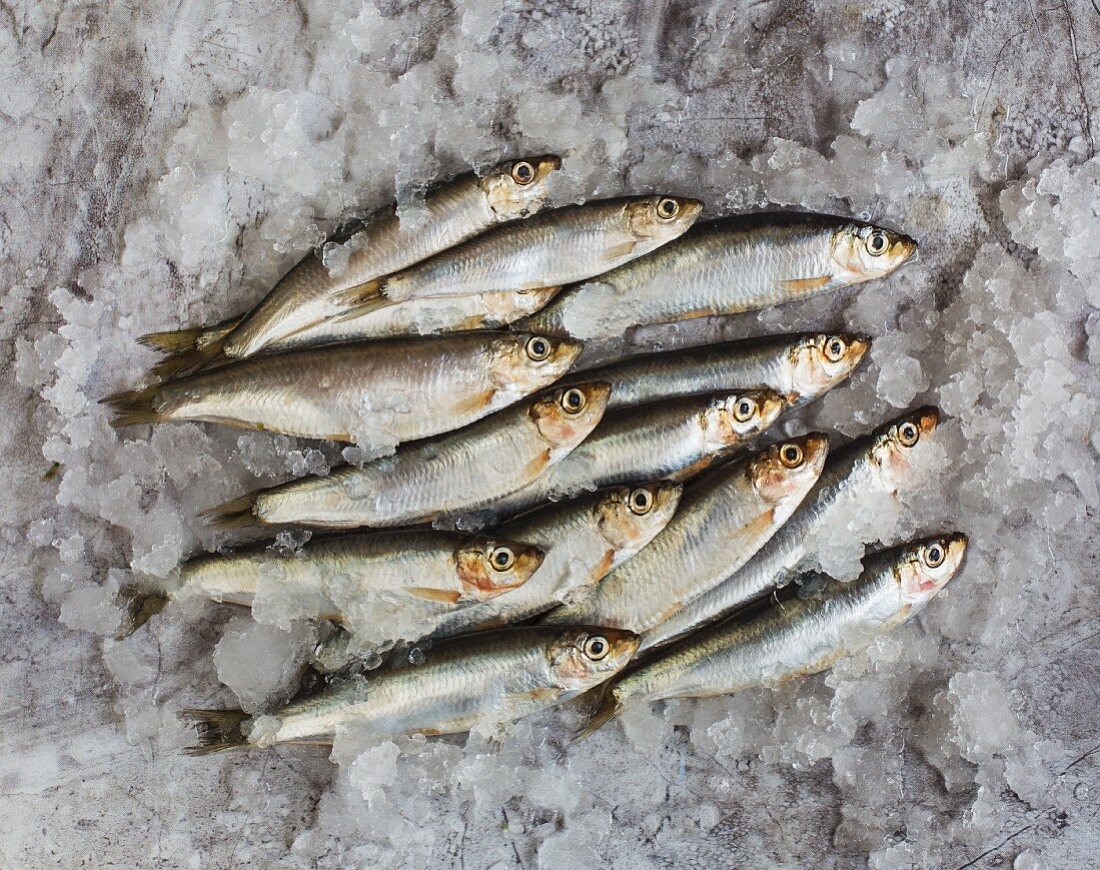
{"x": 527, "y": 532}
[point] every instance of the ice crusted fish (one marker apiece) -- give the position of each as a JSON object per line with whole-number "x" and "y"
{"x": 455, "y": 473}
{"x": 583, "y": 540}
{"x": 723, "y": 520}
{"x": 725, "y": 267}
{"x": 379, "y": 393}
{"x": 882, "y": 462}
{"x": 479, "y": 682}
{"x": 554, "y": 248}
{"x": 675, "y": 440}
{"x": 409, "y": 579}
{"x": 801, "y": 368}
{"x": 307, "y": 294}
{"x": 798, "y": 637}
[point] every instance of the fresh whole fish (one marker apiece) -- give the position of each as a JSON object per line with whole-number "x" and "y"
{"x": 423, "y": 481}
{"x": 423, "y": 575}
{"x": 308, "y": 293}
{"x": 801, "y": 636}
{"x": 881, "y": 462}
{"x": 478, "y": 682}
{"x": 583, "y": 539}
{"x": 379, "y": 393}
{"x": 728, "y": 266}
{"x": 723, "y": 520}
{"x": 674, "y": 440}
{"x": 556, "y": 247}
{"x": 801, "y": 368}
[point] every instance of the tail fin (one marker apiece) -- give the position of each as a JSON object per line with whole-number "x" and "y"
{"x": 179, "y": 341}
{"x": 133, "y": 407}
{"x": 189, "y": 361}
{"x": 218, "y": 730}
{"x": 610, "y": 706}
{"x": 362, "y": 299}
{"x": 235, "y": 514}
{"x": 139, "y": 605}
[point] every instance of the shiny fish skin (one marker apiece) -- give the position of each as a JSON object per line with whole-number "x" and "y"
{"x": 455, "y": 212}
{"x": 878, "y": 462}
{"x": 556, "y": 247}
{"x": 674, "y": 440}
{"x": 426, "y": 480}
{"x": 727, "y": 266}
{"x": 801, "y": 368}
{"x": 583, "y": 539}
{"x": 799, "y": 637}
{"x": 481, "y": 682}
{"x": 379, "y": 394}
{"x": 724, "y": 518}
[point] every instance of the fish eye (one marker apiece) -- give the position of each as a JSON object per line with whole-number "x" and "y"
{"x": 572, "y": 400}
{"x": 790, "y": 455}
{"x": 667, "y": 208}
{"x": 934, "y": 555}
{"x": 502, "y": 558}
{"x": 908, "y": 434}
{"x": 640, "y": 501}
{"x": 744, "y": 410}
{"x": 523, "y": 172}
{"x": 596, "y": 647}
{"x": 877, "y": 243}
{"x": 538, "y": 348}
{"x": 835, "y": 348}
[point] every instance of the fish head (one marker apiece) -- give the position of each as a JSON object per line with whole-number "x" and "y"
{"x": 565, "y": 416}
{"x": 488, "y": 567}
{"x": 526, "y": 361}
{"x": 630, "y": 517}
{"x": 518, "y": 188}
{"x": 925, "y": 567}
{"x": 661, "y": 218}
{"x": 861, "y": 252}
{"x": 581, "y": 658}
{"x": 733, "y": 417}
{"x": 897, "y": 444}
{"x": 789, "y": 468}
{"x": 819, "y": 363}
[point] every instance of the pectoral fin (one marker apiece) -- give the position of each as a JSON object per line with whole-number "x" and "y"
{"x": 623, "y": 250}
{"x": 474, "y": 404}
{"x": 800, "y": 286}
{"x": 439, "y": 595}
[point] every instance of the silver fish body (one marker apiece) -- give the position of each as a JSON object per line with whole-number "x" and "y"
{"x": 800, "y": 636}
{"x": 728, "y": 266}
{"x": 724, "y": 518}
{"x": 673, "y": 440}
{"x": 481, "y": 681}
{"x": 877, "y": 463}
{"x": 801, "y": 368}
{"x": 423, "y": 481}
{"x": 378, "y": 394}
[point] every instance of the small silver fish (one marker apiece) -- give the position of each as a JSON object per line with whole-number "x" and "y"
{"x": 726, "y": 267}
{"x": 306, "y": 295}
{"x": 380, "y": 393}
{"x": 481, "y": 681}
{"x": 799, "y": 637}
{"x": 459, "y": 472}
{"x": 876, "y": 463}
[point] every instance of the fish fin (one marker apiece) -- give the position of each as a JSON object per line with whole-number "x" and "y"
{"x": 218, "y": 730}
{"x": 476, "y": 403}
{"x": 177, "y": 341}
{"x": 804, "y": 285}
{"x": 139, "y": 605}
{"x": 233, "y": 514}
{"x": 133, "y": 407}
{"x": 542, "y": 693}
{"x": 623, "y": 250}
{"x": 440, "y": 595}
{"x": 538, "y": 465}
{"x": 609, "y": 707}
{"x": 605, "y": 565}
{"x": 671, "y": 611}
{"x": 188, "y": 350}
{"x": 361, "y": 299}
{"x": 699, "y": 465}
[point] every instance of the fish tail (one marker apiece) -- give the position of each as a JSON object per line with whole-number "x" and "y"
{"x": 363, "y": 299}
{"x": 133, "y": 407}
{"x": 177, "y": 341}
{"x": 218, "y": 730}
{"x": 187, "y": 361}
{"x": 140, "y": 605}
{"x": 609, "y": 707}
{"x": 233, "y": 514}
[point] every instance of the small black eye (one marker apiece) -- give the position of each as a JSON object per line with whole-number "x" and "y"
{"x": 908, "y": 434}
{"x": 744, "y": 410}
{"x": 523, "y": 172}
{"x": 596, "y": 647}
{"x": 502, "y": 558}
{"x": 790, "y": 455}
{"x": 668, "y": 207}
{"x": 934, "y": 556}
{"x": 572, "y": 400}
{"x": 834, "y": 349}
{"x": 641, "y": 501}
{"x": 538, "y": 348}
{"x": 876, "y": 243}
